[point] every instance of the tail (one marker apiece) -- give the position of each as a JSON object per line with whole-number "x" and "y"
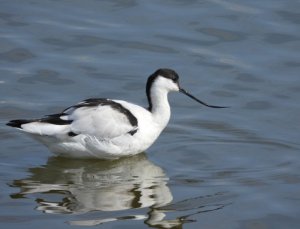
{"x": 18, "y": 123}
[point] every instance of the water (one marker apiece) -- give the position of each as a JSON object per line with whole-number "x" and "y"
{"x": 229, "y": 168}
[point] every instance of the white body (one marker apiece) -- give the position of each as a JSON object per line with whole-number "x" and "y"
{"x": 103, "y": 131}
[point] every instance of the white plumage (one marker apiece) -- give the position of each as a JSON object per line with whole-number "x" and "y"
{"x": 107, "y": 129}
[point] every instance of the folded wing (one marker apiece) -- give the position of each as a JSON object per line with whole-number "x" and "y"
{"x": 102, "y": 118}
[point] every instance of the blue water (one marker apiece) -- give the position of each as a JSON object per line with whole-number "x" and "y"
{"x": 211, "y": 168}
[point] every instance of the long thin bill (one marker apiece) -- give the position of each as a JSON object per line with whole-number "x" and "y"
{"x": 199, "y": 101}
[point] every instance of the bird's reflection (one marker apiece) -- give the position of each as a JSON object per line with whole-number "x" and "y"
{"x": 68, "y": 186}
{"x": 87, "y": 185}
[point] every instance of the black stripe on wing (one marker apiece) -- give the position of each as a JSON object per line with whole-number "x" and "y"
{"x": 56, "y": 119}
{"x": 51, "y": 119}
{"x": 94, "y": 102}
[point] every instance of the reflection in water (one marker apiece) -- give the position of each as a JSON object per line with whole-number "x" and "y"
{"x": 88, "y": 185}
{"x": 68, "y": 186}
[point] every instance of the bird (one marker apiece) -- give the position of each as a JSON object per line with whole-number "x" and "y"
{"x": 106, "y": 128}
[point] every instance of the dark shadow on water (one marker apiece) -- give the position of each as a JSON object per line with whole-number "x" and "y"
{"x": 114, "y": 188}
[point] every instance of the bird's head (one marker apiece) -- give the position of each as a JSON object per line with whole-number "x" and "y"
{"x": 168, "y": 80}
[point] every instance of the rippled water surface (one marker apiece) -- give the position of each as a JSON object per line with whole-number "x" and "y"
{"x": 230, "y": 168}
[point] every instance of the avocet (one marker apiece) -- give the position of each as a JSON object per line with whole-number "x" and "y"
{"x": 106, "y": 128}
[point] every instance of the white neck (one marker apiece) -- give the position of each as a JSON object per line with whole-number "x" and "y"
{"x": 161, "y": 111}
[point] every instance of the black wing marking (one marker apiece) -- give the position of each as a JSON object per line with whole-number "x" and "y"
{"x": 51, "y": 119}
{"x": 72, "y": 134}
{"x": 132, "y": 132}
{"x": 94, "y": 102}
{"x": 18, "y": 122}
{"x": 55, "y": 119}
